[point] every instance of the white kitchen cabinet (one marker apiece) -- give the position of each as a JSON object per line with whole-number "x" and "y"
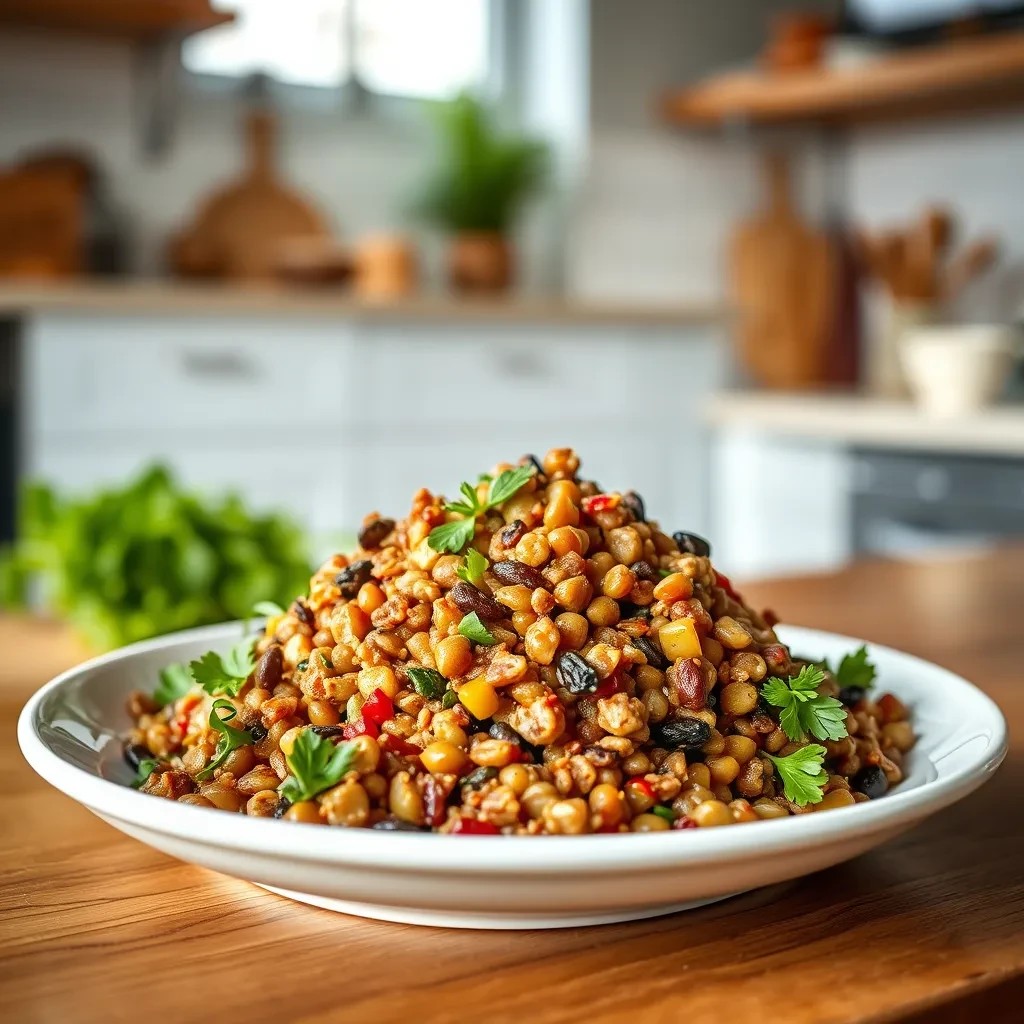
{"x": 780, "y": 506}
{"x": 328, "y": 419}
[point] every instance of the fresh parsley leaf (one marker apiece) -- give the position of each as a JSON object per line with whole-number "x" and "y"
{"x": 804, "y": 710}
{"x": 428, "y": 682}
{"x": 666, "y": 572}
{"x": 316, "y": 764}
{"x": 473, "y": 567}
{"x": 802, "y": 774}
{"x": 664, "y": 812}
{"x": 507, "y": 483}
{"x": 227, "y": 673}
{"x": 484, "y": 478}
{"x": 473, "y": 629}
{"x": 449, "y": 700}
{"x": 268, "y": 608}
{"x": 856, "y": 670}
{"x": 147, "y": 766}
{"x": 230, "y": 738}
{"x": 175, "y": 682}
{"x": 452, "y": 536}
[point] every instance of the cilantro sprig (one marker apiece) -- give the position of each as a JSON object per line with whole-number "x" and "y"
{"x": 473, "y": 629}
{"x": 227, "y": 673}
{"x": 175, "y": 682}
{"x": 454, "y": 536}
{"x": 316, "y": 764}
{"x": 473, "y": 567}
{"x": 270, "y": 609}
{"x": 230, "y": 737}
{"x": 856, "y": 670}
{"x": 802, "y": 773}
{"x": 804, "y": 710}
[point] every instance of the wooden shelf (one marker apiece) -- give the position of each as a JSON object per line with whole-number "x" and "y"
{"x": 123, "y": 19}
{"x": 966, "y": 75}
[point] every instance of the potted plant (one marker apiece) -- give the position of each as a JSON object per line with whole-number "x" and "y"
{"x": 476, "y": 190}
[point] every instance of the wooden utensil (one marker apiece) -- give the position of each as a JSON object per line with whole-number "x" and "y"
{"x": 783, "y": 280}
{"x": 241, "y": 230}
{"x": 41, "y": 223}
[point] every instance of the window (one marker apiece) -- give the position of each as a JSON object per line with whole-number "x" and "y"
{"x": 428, "y": 49}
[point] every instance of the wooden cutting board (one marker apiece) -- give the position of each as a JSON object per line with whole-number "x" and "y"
{"x": 243, "y": 229}
{"x": 783, "y": 281}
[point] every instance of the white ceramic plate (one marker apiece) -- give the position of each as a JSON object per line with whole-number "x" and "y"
{"x": 69, "y": 734}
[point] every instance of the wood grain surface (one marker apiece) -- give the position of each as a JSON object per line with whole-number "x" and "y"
{"x": 97, "y": 927}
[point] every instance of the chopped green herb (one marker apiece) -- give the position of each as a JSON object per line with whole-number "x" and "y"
{"x": 302, "y": 665}
{"x": 147, "y": 766}
{"x": 453, "y": 536}
{"x": 175, "y": 682}
{"x": 475, "y": 779}
{"x": 456, "y": 535}
{"x": 666, "y": 572}
{"x": 509, "y": 481}
{"x": 473, "y": 567}
{"x": 316, "y": 764}
{"x": 856, "y": 670}
{"x": 802, "y": 774}
{"x": 664, "y": 812}
{"x": 227, "y": 673}
{"x": 230, "y": 738}
{"x": 484, "y": 478}
{"x": 268, "y": 608}
{"x": 473, "y": 629}
{"x": 804, "y": 710}
{"x": 428, "y": 682}
{"x": 449, "y": 700}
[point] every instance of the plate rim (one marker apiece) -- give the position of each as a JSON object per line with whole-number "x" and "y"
{"x": 519, "y": 855}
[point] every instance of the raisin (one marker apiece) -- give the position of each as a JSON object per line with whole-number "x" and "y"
{"x": 350, "y": 579}
{"x": 282, "y": 807}
{"x": 632, "y": 501}
{"x": 513, "y": 533}
{"x": 501, "y": 731}
{"x": 687, "y": 677}
{"x": 851, "y": 695}
{"x": 575, "y": 674}
{"x": 871, "y": 781}
{"x": 599, "y": 757}
{"x": 692, "y": 544}
{"x": 468, "y": 599}
{"x": 683, "y": 734}
{"x": 258, "y": 731}
{"x": 645, "y": 571}
{"x": 268, "y": 669}
{"x": 374, "y": 532}
{"x": 303, "y": 613}
{"x": 512, "y": 572}
{"x": 651, "y": 652}
{"x": 328, "y": 730}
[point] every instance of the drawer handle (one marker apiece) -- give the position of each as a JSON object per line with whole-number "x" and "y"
{"x": 218, "y": 365}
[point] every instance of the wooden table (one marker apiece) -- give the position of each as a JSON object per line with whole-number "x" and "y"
{"x": 95, "y": 926}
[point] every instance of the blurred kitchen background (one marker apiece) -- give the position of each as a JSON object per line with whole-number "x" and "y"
{"x": 762, "y": 261}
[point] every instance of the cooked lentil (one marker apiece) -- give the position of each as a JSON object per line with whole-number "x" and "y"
{"x": 622, "y": 688}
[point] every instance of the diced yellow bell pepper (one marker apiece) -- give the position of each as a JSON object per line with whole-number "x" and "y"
{"x": 478, "y": 698}
{"x": 679, "y": 640}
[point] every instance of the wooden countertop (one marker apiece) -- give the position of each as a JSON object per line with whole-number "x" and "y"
{"x": 166, "y": 298}
{"x": 97, "y": 927}
{"x": 870, "y": 422}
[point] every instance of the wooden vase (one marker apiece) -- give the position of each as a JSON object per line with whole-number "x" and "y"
{"x": 481, "y": 262}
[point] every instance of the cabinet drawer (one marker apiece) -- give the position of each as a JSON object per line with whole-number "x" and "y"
{"x": 116, "y": 374}
{"x": 473, "y": 377}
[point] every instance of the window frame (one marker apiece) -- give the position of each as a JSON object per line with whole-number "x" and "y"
{"x": 351, "y": 99}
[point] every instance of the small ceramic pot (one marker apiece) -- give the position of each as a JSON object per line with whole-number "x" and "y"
{"x": 481, "y": 261}
{"x": 955, "y": 370}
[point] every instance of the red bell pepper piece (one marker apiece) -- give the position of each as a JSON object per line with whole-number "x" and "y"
{"x": 377, "y": 708}
{"x": 611, "y": 685}
{"x": 360, "y": 727}
{"x": 726, "y": 584}
{"x": 643, "y": 785}
{"x": 600, "y": 502}
{"x": 684, "y": 822}
{"x": 473, "y": 827}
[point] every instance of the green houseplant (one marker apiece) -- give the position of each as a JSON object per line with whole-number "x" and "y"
{"x": 479, "y": 185}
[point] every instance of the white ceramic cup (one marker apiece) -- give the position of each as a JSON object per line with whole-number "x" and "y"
{"x": 957, "y": 369}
